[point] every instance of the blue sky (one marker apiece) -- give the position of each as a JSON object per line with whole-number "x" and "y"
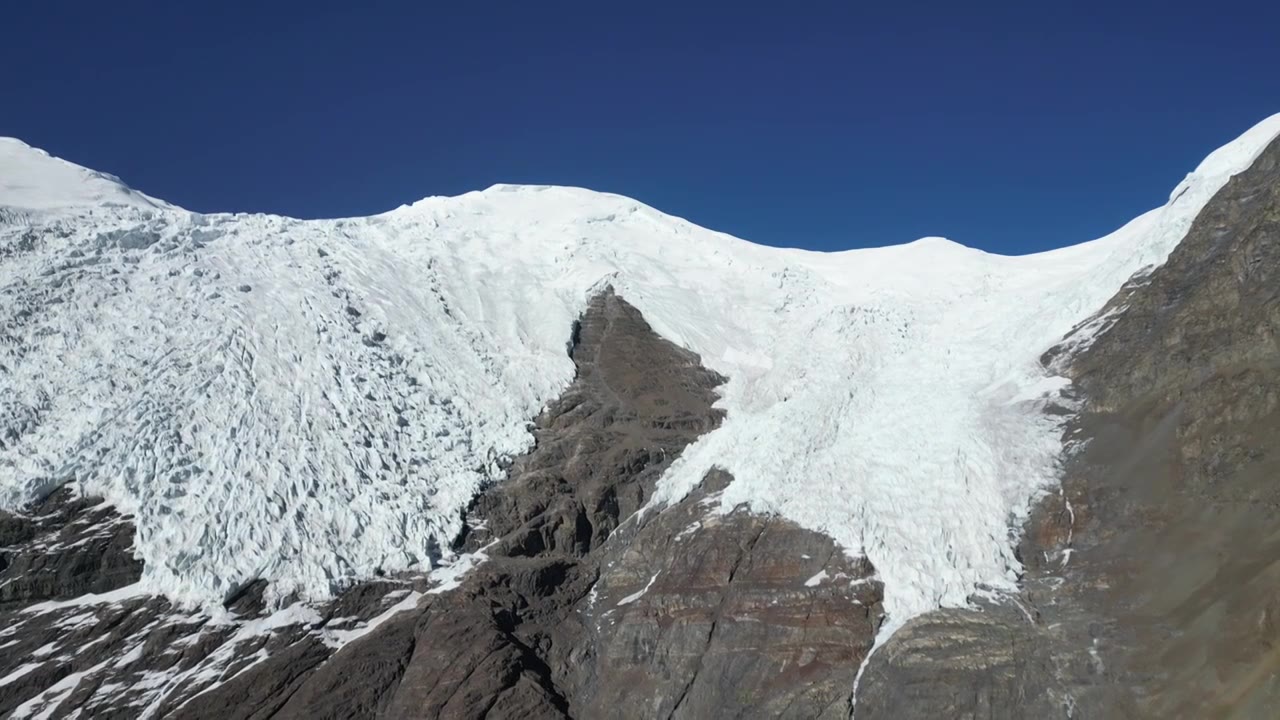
{"x": 1012, "y": 127}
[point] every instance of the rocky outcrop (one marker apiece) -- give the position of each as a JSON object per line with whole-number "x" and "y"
{"x": 1153, "y": 574}
{"x": 993, "y": 662}
{"x": 702, "y": 614}
{"x": 62, "y": 548}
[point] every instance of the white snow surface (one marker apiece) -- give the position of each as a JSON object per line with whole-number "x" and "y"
{"x": 314, "y": 401}
{"x": 31, "y": 179}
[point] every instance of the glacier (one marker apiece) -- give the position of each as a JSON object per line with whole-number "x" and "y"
{"x": 316, "y": 402}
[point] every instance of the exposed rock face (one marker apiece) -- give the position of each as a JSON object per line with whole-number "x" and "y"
{"x": 1175, "y": 494}
{"x": 63, "y": 548}
{"x": 583, "y": 608}
{"x": 1153, "y": 577}
{"x": 735, "y": 615}
{"x": 989, "y": 663}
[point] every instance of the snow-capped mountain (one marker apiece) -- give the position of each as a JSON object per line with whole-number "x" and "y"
{"x": 316, "y": 404}
{"x": 309, "y": 402}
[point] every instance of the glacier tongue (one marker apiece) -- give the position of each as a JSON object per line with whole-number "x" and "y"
{"x": 312, "y": 402}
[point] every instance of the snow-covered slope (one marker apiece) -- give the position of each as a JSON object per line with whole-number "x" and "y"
{"x": 31, "y": 179}
{"x": 314, "y": 401}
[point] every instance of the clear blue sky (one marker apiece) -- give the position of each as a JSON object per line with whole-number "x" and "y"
{"x": 1011, "y": 127}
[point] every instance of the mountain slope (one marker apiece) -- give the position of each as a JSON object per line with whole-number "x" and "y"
{"x": 334, "y": 392}
{"x": 1152, "y": 575}
{"x": 305, "y": 410}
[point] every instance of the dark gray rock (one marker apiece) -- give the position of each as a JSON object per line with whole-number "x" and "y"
{"x": 968, "y": 665}
{"x": 701, "y": 614}
{"x": 1175, "y": 494}
{"x": 62, "y": 548}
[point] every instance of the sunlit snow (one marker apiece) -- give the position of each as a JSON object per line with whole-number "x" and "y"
{"x": 312, "y": 402}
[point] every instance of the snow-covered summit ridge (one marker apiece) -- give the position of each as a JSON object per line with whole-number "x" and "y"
{"x": 32, "y": 179}
{"x": 314, "y": 401}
